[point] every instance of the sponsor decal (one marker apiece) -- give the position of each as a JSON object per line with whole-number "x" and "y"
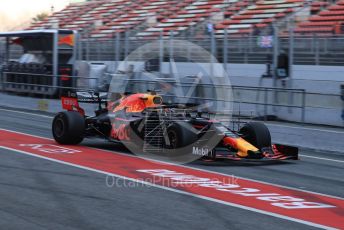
{"x": 49, "y": 148}
{"x": 120, "y": 133}
{"x": 314, "y": 209}
{"x": 66, "y": 40}
{"x": 200, "y": 151}
{"x": 71, "y": 104}
{"x": 274, "y": 199}
{"x": 68, "y": 103}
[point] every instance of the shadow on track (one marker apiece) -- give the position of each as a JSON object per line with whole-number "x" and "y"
{"x": 104, "y": 145}
{"x": 246, "y": 163}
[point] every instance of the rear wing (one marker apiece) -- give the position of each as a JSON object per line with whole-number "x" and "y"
{"x": 70, "y": 101}
{"x": 92, "y": 97}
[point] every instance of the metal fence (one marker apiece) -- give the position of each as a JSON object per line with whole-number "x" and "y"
{"x": 313, "y": 50}
{"x": 262, "y": 101}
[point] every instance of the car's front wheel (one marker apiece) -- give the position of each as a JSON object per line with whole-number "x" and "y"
{"x": 180, "y": 135}
{"x": 68, "y": 128}
{"x": 257, "y": 134}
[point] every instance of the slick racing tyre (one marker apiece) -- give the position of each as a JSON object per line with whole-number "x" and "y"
{"x": 257, "y": 134}
{"x": 180, "y": 135}
{"x": 68, "y": 128}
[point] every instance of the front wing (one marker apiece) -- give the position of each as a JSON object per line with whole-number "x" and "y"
{"x": 276, "y": 152}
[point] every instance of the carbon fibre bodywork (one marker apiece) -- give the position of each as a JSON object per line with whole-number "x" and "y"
{"x": 144, "y": 117}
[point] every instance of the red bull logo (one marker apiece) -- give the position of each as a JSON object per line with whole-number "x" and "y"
{"x": 120, "y": 133}
{"x": 66, "y": 40}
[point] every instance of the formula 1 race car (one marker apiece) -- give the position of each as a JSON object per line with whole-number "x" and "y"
{"x": 144, "y": 122}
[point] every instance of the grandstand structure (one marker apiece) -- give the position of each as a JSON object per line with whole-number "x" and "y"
{"x": 312, "y": 29}
{"x": 329, "y": 19}
{"x": 102, "y": 19}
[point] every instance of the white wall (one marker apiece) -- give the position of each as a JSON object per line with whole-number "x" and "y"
{"x": 314, "y": 79}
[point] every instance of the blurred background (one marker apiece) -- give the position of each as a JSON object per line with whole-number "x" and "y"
{"x": 284, "y": 58}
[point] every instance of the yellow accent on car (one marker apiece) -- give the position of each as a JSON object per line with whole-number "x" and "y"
{"x": 244, "y": 146}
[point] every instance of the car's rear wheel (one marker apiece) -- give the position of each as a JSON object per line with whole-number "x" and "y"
{"x": 68, "y": 128}
{"x": 257, "y": 134}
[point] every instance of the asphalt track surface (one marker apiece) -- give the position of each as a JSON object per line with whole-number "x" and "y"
{"x": 40, "y": 194}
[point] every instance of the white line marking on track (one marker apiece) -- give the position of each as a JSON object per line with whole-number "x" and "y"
{"x": 306, "y": 128}
{"x": 26, "y": 113}
{"x": 176, "y": 190}
{"x": 322, "y": 158}
{"x": 204, "y": 170}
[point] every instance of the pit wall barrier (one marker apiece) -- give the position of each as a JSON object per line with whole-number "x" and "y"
{"x": 322, "y": 101}
{"x": 297, "y": 100}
